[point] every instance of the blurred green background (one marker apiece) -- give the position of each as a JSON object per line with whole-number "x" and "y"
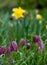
{"x": 24, "y": 3}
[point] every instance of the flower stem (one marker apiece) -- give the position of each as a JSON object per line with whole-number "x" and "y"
{"x": 17, "y": 32}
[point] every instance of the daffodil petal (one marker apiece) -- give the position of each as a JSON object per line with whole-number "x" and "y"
{"x": 14, "y": 9}
{"x": 13, "y": 14}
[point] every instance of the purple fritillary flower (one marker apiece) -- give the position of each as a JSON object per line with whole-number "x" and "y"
{"x": 35, "y": 39}
{"x": 28, "y": 45}
{"x": 9, "y": 50}
{"x": 13, "y": 46}
{"x": 22, "y": 42}
{"x": 2, "y": 50}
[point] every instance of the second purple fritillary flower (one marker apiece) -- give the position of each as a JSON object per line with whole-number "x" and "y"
{"x": 22, "y": 42}
{"x": 2, "y": 50}
{"x": 28, "y": 45}
{"x": 13, "y": 46}
{"x": 35, "y": 39}
{"x": 39, "y": 43}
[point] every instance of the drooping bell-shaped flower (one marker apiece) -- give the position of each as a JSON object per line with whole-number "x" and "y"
{"x": 35, "y": 38}
{"x": 2, "y": 50}
{"x": 13, "y": 46}
{"x": 22, "y": 42}
{"x": 28, "y": 45}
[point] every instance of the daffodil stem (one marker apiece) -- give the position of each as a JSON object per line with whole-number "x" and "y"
{"x": 17, "y": 32}
{"x": 40, "y": 27}
{"x": 26, "y": 33}
{"x": 23, "y": 28}
{"x": 27, "y": 30}
{"x": 23, "y": 25}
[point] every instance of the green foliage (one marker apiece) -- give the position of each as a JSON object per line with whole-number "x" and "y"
{"x": 27, "y": 28}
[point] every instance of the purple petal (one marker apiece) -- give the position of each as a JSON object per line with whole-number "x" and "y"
{"x": 22, "y": 42}
{"x": 28, "y": 46}
{"x": 35, "y": 39}
{"x": 13, "y": 46}
{"x": 2, "y": 50}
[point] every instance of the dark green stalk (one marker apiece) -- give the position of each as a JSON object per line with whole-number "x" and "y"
{"x": 27, "y": 34}
{"x": 17, "y": 32}
{"x": 23, "y": 28}
{"x": 27, "y": 30}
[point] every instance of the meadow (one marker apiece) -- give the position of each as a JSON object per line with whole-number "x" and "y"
{"x": 19, "y": 34}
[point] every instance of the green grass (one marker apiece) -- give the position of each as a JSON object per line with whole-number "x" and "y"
{"x": 27, "y": 28}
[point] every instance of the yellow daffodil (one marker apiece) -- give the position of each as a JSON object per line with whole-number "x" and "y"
{"x": 46, "y": 26}
{"x": 38, "y": 16}
{"x": 18, "y": 12}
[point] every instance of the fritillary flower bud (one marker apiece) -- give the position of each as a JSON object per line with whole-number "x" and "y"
{"x": 28, "y": 46}
{"x": 22, "y": 42}
{"x": 2, "y": 50}
{"x": 35, "y": 39}
{"x": 13, "y": 46}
